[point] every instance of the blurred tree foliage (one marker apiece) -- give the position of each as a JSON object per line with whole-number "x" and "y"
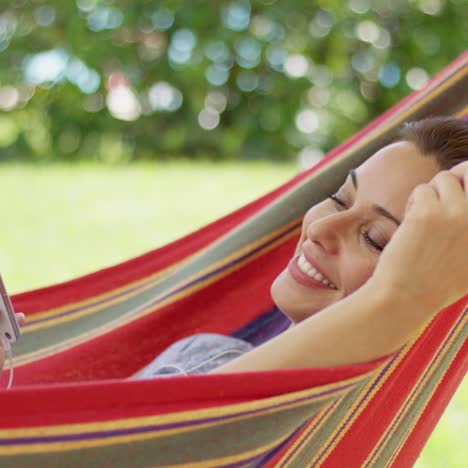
{"x": 119, "y": 80}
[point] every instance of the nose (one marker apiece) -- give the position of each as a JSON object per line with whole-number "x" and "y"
{"x": 330, "y": 232}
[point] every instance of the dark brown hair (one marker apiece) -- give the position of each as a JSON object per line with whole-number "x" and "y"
{"x": 444, "y": 138}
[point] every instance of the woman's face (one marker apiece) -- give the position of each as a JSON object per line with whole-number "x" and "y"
{"x": 342, "y": 238}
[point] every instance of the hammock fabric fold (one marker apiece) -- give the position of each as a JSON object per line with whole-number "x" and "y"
{"x": 71, "y": 404}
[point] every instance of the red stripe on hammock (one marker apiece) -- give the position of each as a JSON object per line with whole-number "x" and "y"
{"x": 117, "y": 399}
{"x": 434, "y": 409}
{"x": 390, "y": 398}
{"x": 135, "y": 269}
{"x": 224, "y": 312}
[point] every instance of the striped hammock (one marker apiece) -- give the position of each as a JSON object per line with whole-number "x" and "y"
{"x": 71, "y": 405}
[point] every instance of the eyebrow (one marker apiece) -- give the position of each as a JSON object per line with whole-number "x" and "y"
{"x": 379, "y": 209}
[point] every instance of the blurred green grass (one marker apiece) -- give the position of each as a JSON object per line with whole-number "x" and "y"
{"x": 63, "y": 221}
{"x": 66, "y": 220}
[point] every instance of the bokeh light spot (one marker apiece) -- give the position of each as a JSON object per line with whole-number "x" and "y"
{"x": 217, "y": 51}
{"x": 182, "y": 44}
{"x": 262, "y": 27}
{"x": 217, "y": 74}
{"x": 362, "y": 61}
{"x": 309, "y": 156}
{"x": 416, "y": 77}
{"x": 307, "y": 121}
{"x": 85, "y": 78}
{"x": 236, "y": 16}
{"x": 162, "y": 19}
{"x": 164, "y": 97}
{"x": 105, "y": 18}
{"x": 122, "y": 103}
{"x": 86, "y": 5}
{"x": 389, "y": 75}
{"x": 247, "y": 81}
{"x": 276, "y": 56}
{"x": 318, "y": 96}
{"x": 359, "y": 6}
{"x": 367, "y": 31}
{"x": 9, "y": 97}
{"x": 216, "y": 100}
{"x": 44, "y": 15}
{"x": 248, "y": 52}
{"x": 296, "y": 65}
{"x": 208, "y": 119}
{"x": 430, "y": 7}
{"x": 46, "y": 68}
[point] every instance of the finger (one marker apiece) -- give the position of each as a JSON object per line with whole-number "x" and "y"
{"x": 460, "y": 168}
{"x": 461, "y": 171}
{"x": 423, "y": 195}
{"x": 21, "y": 318}
{"x": 449, "y": 190}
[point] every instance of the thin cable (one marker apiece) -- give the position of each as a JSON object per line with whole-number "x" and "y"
{"x": 153, "y": 372}
{"x": 199, "y": 365}
{"x": 7, "y": 348}
{"x": 216, "y": 356}
{"x": 10, "y": 365}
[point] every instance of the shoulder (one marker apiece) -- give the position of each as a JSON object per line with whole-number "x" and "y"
{"x": 196, "y": 350}
{"x": 204, "y": 340}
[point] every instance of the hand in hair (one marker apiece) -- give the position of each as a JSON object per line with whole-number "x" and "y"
{"x": 427, "y": 257}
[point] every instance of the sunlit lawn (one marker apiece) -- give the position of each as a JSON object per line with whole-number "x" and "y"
{"x": 61, "y": 221}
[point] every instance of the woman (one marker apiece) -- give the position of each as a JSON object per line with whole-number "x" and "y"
{"x": 375, "y": 263}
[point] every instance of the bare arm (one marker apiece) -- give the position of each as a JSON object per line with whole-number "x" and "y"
{"x": 366, "y": 325}
{"x": 422, "y": 270}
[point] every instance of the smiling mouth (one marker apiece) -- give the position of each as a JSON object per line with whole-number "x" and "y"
{"x": 304, "y": 273}
{"x": 309, "y": 270}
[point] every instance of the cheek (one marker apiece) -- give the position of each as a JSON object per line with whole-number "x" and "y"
{"x": 358, "y": 272}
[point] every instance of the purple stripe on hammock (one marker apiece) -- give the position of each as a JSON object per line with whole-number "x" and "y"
{"x": 262, "y": 459}
{"x": 155, "y": 427}
{"x": 310, "y": 431}
{"x": 277, "y": 322}
{"x": 263, "y": 328}
{"x": 181, "y": 288}
{"x": 419, "y": 384}
{"x": 364, "y": 398}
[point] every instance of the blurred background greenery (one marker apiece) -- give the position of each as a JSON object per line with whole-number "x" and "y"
{"x": 109, "y": 108}
{"x": 119, "y": 80}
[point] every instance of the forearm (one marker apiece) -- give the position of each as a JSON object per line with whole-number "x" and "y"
{"x": 364, "y": 326}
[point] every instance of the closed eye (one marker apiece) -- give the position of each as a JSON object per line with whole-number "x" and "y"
{"x": 365, "y": 234}
{"x": 337, "y": 200}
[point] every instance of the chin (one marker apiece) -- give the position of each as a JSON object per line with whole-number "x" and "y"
{"x": 277, "y": 292}
{"x": 291, "y": 301}
{"x": 283, "y": 297}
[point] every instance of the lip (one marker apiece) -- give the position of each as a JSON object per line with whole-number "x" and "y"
{"x": 312, "y": 262}
{"x": 304, "y": 279}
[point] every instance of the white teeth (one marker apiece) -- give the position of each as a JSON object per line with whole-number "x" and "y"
{"x": 309, "y": 270}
